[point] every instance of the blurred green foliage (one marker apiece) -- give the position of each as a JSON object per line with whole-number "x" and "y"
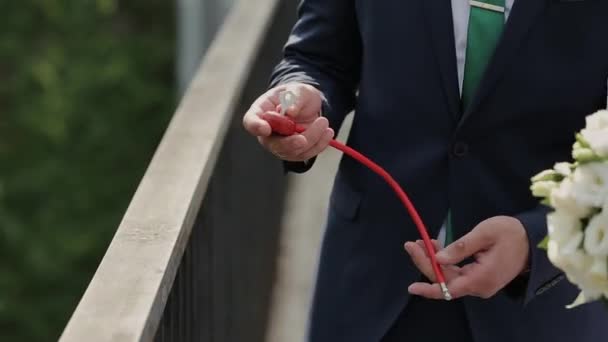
{"x": 86, "y": 90}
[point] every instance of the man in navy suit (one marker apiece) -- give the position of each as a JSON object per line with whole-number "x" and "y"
{"x": 462, "y": 102}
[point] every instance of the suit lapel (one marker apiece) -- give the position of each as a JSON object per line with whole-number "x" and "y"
{"x": 438, "y": 15}
{"x": 521, "y": 19}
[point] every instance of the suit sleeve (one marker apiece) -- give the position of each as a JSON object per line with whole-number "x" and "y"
{"x": 542, "y": 274}
{"x": 324, "y": 50}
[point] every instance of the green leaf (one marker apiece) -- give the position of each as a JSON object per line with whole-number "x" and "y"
{"x": 544, "y": 244}
{"x": 546, "y": 201}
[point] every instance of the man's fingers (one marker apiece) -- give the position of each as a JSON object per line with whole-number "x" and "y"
{"x": 308, "y": 101}
{"x": 459, "y": 287}
{"x": 449, "y": 271}
{"x": 306, "y": 109}
{"x": 286, "y": 148}
{"x": 320, "y": 146}
{"x": 420, "y": 259}
{"x": 300, "y": 146}
{"x": 484, "y": 279}
{"x": 430, "y": 291}
{"x": 475, "y": 241}
{"x": 315, "y": 131}
{"x": 307, "y": 106}
{"x": 488, "y": 273}
{"x": 462, "y": 286}
{"x": 255, "y": 125}
{"x": 436, "y": 244}
{"x": 472, "y": 280}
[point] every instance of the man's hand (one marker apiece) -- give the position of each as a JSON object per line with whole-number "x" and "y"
{"x": 500, "y": 250}
{"x": 299, "y": 147}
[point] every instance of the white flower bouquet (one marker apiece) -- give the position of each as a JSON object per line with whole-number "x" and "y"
{"x": 577, "y": 242}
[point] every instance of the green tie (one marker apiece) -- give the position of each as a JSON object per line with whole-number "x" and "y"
{"x": 486, "y": 23}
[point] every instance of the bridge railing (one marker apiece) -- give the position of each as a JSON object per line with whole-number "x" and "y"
{"x": 194, "y": 256}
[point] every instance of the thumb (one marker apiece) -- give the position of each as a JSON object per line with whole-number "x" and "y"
{"x": 306, "y": 109}
{"x": 303, "y": 112}
{"x": 255, "y": 125}
{"x": 296, "y": 108}
{"x": 472, "y": 243}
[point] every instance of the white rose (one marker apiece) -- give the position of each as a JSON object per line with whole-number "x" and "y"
{"x": 592, "y": 287}
{"x": 573, "y": 261}
{"x": 566, "y": 230}
{"x": 596, "y": 235}
{"x": 564, "y": 169}
{"x": 599, "y": 268}
{"x": 562, "y": 199}
{"x": 589, "y": 273}
{"x": 590, "y": 184}
{"x": 582, "y": 270}
{"x": 601, "y": 173}
{"x": 596, "y": 132}
{"x": 597, "y": 120}
{"x": 595, "y": 282}
{"x": 556, "y": 257}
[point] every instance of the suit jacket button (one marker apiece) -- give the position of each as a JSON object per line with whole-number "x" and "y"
{"x": 460, "y": 149}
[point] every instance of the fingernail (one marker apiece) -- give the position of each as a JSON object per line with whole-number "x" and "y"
{"x": 407, "y": 249}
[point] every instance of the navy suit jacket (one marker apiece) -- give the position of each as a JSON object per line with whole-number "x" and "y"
{"x": 393, "y": 62}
